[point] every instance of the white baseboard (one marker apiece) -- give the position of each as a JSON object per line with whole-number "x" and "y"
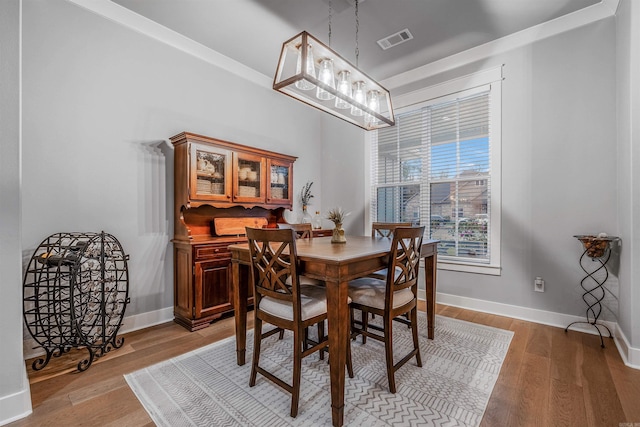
{"x": 146, "y": 320}
{"x": 630, "y": 355}
{"x": 16, "y": 405}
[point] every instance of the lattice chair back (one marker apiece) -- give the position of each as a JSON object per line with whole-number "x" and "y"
{"x": 303, "y": 230}
{"x": 404, "y": 260}
{"x": 386, "y": 229}
{"x": 274, "y": 261}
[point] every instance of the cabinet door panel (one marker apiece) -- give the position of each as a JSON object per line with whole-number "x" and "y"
{"x": 279, "y": 182}
{"x": 249, "y": 173}
{"x": 213, "y": 286}
{"x": 210, "y": 173}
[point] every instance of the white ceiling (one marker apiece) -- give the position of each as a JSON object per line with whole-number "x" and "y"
{"x": 252, "y": 31}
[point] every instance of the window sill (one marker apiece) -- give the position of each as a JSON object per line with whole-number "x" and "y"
{"x": 491, "y": 270}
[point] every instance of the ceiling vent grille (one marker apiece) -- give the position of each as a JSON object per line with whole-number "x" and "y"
{"x": 395, "y": 39}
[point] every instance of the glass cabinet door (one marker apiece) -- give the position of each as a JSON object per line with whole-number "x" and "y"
{"x": 280, "y": 182}
{"x": 210, "y": 173}
{"x": 249, "y": 182}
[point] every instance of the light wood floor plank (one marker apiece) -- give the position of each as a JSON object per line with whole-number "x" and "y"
{"x": 497, "y": 412}
{"x": 531, "y": 392}
{"x": 627, "y": 383}
{"x": 566, "y": 356}
{"x": 603, "y": 405}
{"x": 566, "y": 404}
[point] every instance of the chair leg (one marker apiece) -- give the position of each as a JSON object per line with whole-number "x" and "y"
{"x": 352, "y": 326}
{"x": 297, "y": 367}
{"x": 349, "y": 361}
{"x": 320, "y": 336}
{"x": 281, "y": 334}
{"x": 257, "y": 339}
{"x": 388, "y": 350}
{"x": 414, "y": 330}
{"x": 365, "y": 325}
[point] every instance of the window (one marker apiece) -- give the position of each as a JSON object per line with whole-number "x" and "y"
{"x": 439, "y": 167}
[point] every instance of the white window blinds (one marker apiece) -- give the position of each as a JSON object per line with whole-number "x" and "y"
{"x": 433, "y": 168}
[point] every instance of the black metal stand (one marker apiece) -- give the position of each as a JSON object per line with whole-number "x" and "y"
{"x": 595, "y": 293}
{"x": 75, "y": 292}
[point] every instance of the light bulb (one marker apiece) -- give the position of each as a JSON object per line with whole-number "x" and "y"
{"x": 344, "y": 87}
{"x": 309, "y": 69}
{"x": 325, "y": 75}
{"x": 373, "y": 102}
{"x": 358, "y": 96}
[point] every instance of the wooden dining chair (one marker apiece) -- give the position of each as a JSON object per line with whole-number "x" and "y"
{"x": 293, "y": 307}
{"x": 303, "y": 230}
{"x": 385, "y": 229}
{"x": 391, "y": 298}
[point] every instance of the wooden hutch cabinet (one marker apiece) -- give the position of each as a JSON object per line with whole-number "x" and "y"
{"x": 219, "y": 188}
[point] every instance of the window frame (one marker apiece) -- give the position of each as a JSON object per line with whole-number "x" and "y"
{"x": 449, "y": 90}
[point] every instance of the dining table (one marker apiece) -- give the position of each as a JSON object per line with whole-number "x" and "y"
{"x": 335, "y": 264}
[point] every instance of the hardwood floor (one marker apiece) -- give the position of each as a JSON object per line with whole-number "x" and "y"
{"x": 549, "y": 378}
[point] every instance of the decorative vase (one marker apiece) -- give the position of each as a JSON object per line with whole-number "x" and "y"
{"x": 338, "y": 234}
{"x": 306, "y": 216}
{"x": 317, "y": 221}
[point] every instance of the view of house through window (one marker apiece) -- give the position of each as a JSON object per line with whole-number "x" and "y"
{"x": 433, "y": 168}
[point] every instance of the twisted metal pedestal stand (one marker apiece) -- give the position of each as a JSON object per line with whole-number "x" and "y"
{"x": 597, "y": 249}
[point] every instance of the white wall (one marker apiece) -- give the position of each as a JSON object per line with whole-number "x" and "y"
{"x": 343, "y": 169}
{"x": 628, "y": 106}
{"x": 15, "y": 399}
{"x": 558, "y": 166}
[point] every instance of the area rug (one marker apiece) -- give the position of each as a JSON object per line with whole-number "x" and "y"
{"x": 206, "y": 387}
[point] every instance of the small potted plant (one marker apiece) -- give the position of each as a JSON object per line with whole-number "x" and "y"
{"x": 337, "y": 216}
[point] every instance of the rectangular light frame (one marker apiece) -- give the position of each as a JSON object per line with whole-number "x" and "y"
{"x": 286, "y": 76}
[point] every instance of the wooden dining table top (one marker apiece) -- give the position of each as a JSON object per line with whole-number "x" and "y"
{"x": 322, "y": 248}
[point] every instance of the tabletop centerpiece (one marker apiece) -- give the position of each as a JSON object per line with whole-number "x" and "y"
{"x": 337, "y": 216}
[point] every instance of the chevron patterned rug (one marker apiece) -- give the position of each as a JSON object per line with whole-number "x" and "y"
{"x": 206, "y": 387}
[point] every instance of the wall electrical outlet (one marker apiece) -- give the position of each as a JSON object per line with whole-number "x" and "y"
{"x": 538, "y": 285}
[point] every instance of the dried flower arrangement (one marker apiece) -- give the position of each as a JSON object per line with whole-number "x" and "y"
{"x": 305, "y": 194}
{"x": 336, "y": 215}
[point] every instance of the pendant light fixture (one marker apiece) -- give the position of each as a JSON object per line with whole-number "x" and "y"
{"x": 341, "y": 89}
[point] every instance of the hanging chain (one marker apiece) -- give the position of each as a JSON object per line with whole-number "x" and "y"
{"x": 357, "y": 28}
{"x": 329, "y": 23}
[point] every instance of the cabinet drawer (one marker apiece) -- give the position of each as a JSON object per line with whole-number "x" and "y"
{"x": 210, "y": 252}
{"x": 215, "y": 250}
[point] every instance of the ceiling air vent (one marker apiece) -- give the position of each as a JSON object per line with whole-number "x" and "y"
{"x": 395, "y": 39}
